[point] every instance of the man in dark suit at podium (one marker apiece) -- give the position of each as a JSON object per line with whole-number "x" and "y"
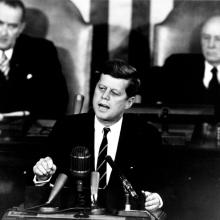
{"x": 30, "y": 72}
{"x": 133, "y": 144}
{"x": 191, "y": 78}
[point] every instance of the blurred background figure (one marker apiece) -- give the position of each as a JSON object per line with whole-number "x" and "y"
{"x": 194, "y": 78}
{"x": 30, "y": 72}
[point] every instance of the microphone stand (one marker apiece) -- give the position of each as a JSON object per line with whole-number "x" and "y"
{"x": 81, "y": 201}
{"x": 95, "y": 209}
{"x": 127, "y": 201}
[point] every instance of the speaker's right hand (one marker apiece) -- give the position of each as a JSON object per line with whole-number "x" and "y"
{"x": 44, "y": 169}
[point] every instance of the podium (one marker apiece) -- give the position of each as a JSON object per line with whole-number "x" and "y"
{"x": 22, "y": 215}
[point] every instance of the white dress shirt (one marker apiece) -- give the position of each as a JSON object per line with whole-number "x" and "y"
{"x": 112, "y": 136}
{"x": 208, "y": 74}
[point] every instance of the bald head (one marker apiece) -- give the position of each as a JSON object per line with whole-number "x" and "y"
{"x": 210, "y": 40}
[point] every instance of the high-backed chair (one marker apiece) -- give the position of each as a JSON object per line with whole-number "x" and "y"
{"x": 61, "y": 22}
{"x": 179, "y": 32}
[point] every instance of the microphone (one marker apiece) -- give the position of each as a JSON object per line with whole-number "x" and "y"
{"x": 60, "y": 181}
{"x": 80, "y": 162}
{"x": 80, "y": 168}
{"x": 94, "y": 187}
{"x": 95, "y": 209}
{"x": 58, "y": 185}
{"x": 126, "y": 184}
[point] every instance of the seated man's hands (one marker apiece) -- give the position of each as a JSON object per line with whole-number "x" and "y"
{"x": 44, "y": 169}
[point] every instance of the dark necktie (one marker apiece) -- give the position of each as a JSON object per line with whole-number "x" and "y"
{"x": 101, "y": 163}
{"x": 214, "y": 86}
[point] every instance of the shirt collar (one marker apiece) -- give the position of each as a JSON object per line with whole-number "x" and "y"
{"x": 115, "y": 127}
{"x": 8, "y": 53}
{"x": 209, "y": 67}
{"x": 208, "y": 75}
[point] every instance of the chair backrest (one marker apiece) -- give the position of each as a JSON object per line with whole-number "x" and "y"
{"x": 180, "y": 31}
{"x": 61, "y": 22}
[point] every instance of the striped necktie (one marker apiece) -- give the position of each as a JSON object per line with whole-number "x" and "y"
{"x": 4, "y": 64}
{"x": 101, "y": 163}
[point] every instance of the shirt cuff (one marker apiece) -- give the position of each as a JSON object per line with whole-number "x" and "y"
{"x": 41, "y": 182}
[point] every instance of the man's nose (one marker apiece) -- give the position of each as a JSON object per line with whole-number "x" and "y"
{"x": 4, "y": 29}
{"x": 211, "y": 42}
{"x": 106, "y": 94}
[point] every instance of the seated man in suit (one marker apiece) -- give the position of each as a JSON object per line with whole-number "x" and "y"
{"x": 30, "y": 72}
{"x": 194, "y": 78}
{"x": 132, "y": 143}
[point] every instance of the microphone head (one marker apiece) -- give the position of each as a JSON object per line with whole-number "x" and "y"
{"x": 80, "y": 161}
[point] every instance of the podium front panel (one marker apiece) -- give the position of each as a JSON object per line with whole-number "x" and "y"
{"x": 19, "y": 215}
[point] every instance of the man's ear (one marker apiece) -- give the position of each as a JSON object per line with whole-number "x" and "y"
{"x": 130, "y": 102}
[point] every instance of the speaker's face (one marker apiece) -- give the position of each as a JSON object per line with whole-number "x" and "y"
{"x": 110, "y": 99}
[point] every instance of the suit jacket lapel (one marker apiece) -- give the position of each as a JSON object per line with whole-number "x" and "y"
{"x": 202, "y": 69}
{"x": 90, "y": 138}
{"x": 121, "y": 150}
